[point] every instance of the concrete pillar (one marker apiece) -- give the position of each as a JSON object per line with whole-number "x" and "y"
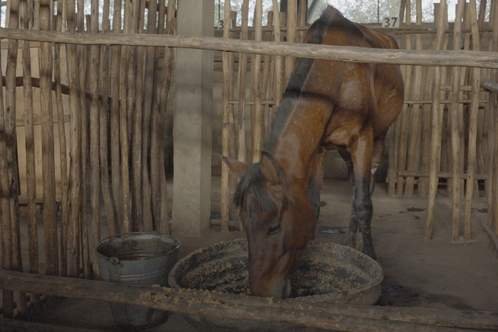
{"x": 192, "y": 122}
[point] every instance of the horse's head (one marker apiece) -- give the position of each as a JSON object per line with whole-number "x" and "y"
{"x": 278, "y": 221}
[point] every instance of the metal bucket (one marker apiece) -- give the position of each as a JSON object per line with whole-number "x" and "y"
{"x": 137, "y": 259}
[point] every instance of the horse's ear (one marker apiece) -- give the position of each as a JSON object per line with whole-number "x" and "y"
{"x": 269, "y": 170}
{"x": 237, "y": 167}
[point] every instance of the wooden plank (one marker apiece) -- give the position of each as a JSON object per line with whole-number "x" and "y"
{"x": 479, "y": 59}
{"x": 436, "y": 126}
{"x": 201, "y": 303}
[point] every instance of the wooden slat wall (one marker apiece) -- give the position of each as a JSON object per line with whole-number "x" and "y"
{"x": 73, "y": 130}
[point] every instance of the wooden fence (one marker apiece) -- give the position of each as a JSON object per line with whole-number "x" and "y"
{"x": 112, "y": 176}
{"x": 87, "y": 127}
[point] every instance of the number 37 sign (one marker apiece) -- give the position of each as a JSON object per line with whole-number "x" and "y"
{"x": 390, "y": 22}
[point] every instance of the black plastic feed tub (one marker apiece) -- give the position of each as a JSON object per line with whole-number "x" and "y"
{"x": 327, "y": 273}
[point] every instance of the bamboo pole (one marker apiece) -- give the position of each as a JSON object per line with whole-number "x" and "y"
{"x": 303, "y": 13}
{"x": 494, "y": 133}
{"x": 49, "y": 210}
{"x": 5, "y": 215}
{"x": 159, "y": 123}
{"x": 258, "y": 117}
{"x": 474, "y": 112}
{"x": 61, "y": 131}
{"x": 456, "y": 196}
{"x": 94, "y": 230}
{"x": 26, "y": 17}
{"x": 133, "y": 108}
{"x": 227, "y": 134}
{"x": 115, "y": 119}
{"x": 147, "y": 152}
{"x": 404, "y": 117}
{"x": 158, "y": 132}
{"x": 123, "y": 128}
{"x": 278, "y": 59}
{"x": 83, "y": 56}
{"x": 413, "y": 158}
{"x": 242, "y": 152}
{"x": 135, "y": 83}
{"x": 291, "y": 35}
{"x": 355, "y": 54}
{"x": 436, "y": 125}
{"x": 75, "y": 191}
{"x": 105, "y": 110}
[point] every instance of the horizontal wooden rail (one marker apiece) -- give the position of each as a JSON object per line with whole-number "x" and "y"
{"x": 265, "y": 311}
{"x": 325, "y": 52}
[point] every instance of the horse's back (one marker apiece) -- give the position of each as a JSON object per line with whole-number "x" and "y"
{"x": 350, "y": 84}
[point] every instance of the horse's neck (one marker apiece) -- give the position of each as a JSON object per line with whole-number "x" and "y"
{"x": 297, "y": 134}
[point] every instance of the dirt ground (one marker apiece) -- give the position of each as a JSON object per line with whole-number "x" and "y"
{"x": 418, "y": 272}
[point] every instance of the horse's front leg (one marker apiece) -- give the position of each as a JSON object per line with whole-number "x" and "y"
{"x": 361, "y": 150}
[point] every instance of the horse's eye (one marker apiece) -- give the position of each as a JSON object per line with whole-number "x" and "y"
{"x": 274, "y": 229}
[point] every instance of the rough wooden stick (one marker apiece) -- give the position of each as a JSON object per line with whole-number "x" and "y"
{"x": 214, "y": 305}
{"x": 242, "y": 71}
{"x": 61, "y": 131}
{"x": 258, "y": 117}
{"x": 291, "y": 34}
{"x": 147, "y": 155}
{"x": 133, "y": 108}
{"x": 5, "y": 217}
{"x": 325, "y": 52}
{"x": 115, "y": 119}
{"x": 94, "y": 234}
{"x": 474, "y": 112}
{"x": 404, "y": 117}
{"x": 278, "y": 59}
{"x": 30, "y": 144}
{"x": 123, "y": 131}
{"x": 413, "y": 158}
{"x": 436, "y": 126}
{"x": 494, "y": 133}
{"x": 158, "y": 131}
{"x": 105, "y": 108}
{"x": 49, "y": 210}
{"x": 455, "y": 133}
{"x": 75, "y": 192}
{"x": 226, "y": 136}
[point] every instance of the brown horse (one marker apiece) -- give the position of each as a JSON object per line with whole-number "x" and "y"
{"x": 325, "y": 104}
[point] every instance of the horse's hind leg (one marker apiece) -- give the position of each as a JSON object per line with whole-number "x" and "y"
{"x": 362, "y": 150}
